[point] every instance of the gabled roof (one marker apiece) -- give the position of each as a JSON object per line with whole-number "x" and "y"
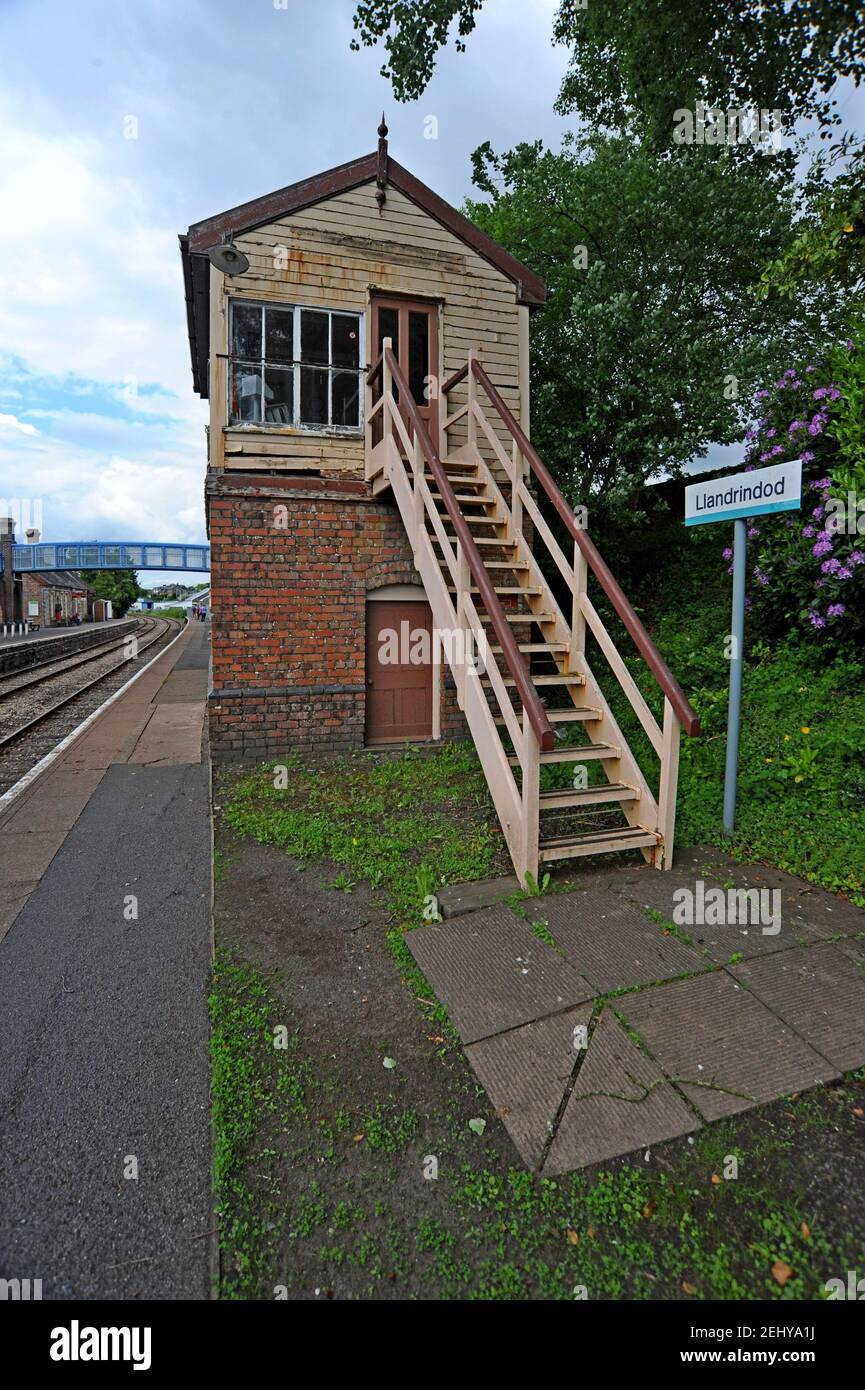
{"x": 530, "y": 288}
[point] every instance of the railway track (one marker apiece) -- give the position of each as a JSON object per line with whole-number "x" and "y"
{"x": 43, "y": 703}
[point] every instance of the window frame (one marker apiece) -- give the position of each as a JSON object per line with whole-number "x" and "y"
{"x": 296, "y": 365}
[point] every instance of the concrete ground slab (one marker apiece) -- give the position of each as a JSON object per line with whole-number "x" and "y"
{"x": 172, "y": 736}
{"x": 492, "y": 973}
{"x": 621, "y": 1101}
{"x": 725, "y": 1049}
{"x": 525, "y": 1073}
{"x": 820, "y": 992}
{"x": 460, "y": 898}
{"x": 182, "y": 686}
{"x": 612, "y": 942}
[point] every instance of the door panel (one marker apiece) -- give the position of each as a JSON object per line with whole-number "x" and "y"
{"x": 398, "y": 691}
{"x": 413, "y": 327}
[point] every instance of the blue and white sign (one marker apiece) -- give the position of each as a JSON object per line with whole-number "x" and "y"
{"x": 777, "y": 488}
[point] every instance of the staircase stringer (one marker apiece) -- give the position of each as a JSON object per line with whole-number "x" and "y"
{"x": 505, "y": 793}
{"x": 643, "y": 813}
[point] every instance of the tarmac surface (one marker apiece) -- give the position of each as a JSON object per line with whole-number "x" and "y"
{"x": 105, "y": 902}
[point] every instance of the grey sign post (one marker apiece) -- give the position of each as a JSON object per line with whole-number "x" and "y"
{"x": 777, "y": 488}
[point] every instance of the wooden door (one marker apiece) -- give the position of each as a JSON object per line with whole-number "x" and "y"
{"x": 398, "y": 685}
{"x": 412, "y": 324}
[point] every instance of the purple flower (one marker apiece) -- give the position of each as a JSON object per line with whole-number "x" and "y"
{"x": 748, "y": 601}
{"x": 822, "y": 484}
{"x": 817, "y": 423}
{"x": 762, "y": 395}
{"x": 815, "y": 620}
{"x": 820, "y": 583}
{"x": 727, "y": 553}
{"x": 820, "y": 393}
{"x": 810, "y": 369}
{"x": 836, "y": 610}
{"x": 770, "y": 434}
{"x": 831, "y": 566}
{"x": 845, "y": 573}
{"x": 818, "y": 513}
{"x": 808, "y": 532}
{"x": 752, "y": 532}
{"x": 808, "y": 456}
{"x": 823, "y": 546}
{"x": 856, "y": 558}
{"x": 796, "y": 425}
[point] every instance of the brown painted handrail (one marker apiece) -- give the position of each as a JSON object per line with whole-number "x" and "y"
{"x": 510, "y": 648}
{"x": 682, "y": 707}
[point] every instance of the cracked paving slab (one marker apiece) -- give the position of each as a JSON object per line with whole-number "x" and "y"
{"x": 820, "y": 992}
{"x": 621, "y": 1101}
{"x": 725, "y": 1049}
{"x": 492, "y": 973}
{"x": 525, "y": 1072}
{"x": 613, "y": 943}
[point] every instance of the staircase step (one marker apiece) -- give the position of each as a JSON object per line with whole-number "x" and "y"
{"x": 572, "y": 754}
{"x": 597, "y": 842}
{"x": 530, "y": 617}
{"x": 494, "y": 540}
{"x": 587, "y": 796}
{"x": 477, "y": 520}
{"x": 559, "y": 716}
{"x": 511, "y": 592}
{"x": 551, "y": 680}
{"x": 536, "y": 648}
{"x": 480, "y": 501}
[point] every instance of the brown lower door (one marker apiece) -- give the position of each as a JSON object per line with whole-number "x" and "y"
{"x": 412, "y": 326}
{"x": 398, "y": 685}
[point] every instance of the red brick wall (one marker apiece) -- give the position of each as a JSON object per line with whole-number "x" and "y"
{"x": 288, "y": 611}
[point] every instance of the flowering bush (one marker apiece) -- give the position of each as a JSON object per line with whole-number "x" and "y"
{"x": 806, "y": 570}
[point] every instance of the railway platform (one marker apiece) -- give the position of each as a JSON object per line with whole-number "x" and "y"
{"x": 105, "y": 952}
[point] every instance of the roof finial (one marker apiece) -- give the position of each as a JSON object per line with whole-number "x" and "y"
{"x": 381, "y": 175}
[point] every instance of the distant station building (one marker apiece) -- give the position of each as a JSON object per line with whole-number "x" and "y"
{"x": 55, "y": 598}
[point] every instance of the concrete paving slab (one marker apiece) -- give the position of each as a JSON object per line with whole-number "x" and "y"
{"x": 612, "y": 942}
{"x": 525, "y": 1072}
{"x": 820, "y": 992}
{"x": 491, "y": 972}
{"x": 621, "y": 1101}
{"x": 171, "y": 737}
{"x": 12, "y": 899}
{"x": 460, "y": 898}
{"x": 182, "y": 686}
{"x": 807, "y": 913}
{"x": 724, "y": 1047}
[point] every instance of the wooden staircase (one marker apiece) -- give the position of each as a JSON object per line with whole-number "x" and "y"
{"x": 519, "y": 661}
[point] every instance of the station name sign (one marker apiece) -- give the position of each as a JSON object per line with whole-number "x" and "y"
{"x": 777, "y": 488}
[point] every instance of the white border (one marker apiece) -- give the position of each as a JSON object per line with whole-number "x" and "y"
{"x": 24, "y": 782}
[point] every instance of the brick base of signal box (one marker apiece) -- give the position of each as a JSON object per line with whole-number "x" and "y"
{"x": 293, "y": 562}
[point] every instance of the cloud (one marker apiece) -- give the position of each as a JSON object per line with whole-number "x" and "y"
{"x": 11, "y": 422}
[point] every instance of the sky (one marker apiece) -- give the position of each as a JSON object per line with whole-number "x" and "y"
{"x": 123, "y": 121}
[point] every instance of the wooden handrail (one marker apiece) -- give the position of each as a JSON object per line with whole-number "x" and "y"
{"x": 510, "y": 649}
{"x": 682, "y": 707}
{"x": 454, "y": 380}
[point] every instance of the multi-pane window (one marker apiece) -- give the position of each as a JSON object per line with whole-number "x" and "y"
{"x": 294, "y": 366}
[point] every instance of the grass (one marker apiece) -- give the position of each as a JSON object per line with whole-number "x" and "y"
{"x": 384, "y": 821}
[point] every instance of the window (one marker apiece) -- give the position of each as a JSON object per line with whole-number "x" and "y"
{"x": 294, "y": 366}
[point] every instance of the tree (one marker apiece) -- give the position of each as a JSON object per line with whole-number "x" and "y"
{"x": 651, "y": 343}
{"x": 120, "y": 586}
{"x": 829, "y": 245}
{"x": 650, "y": 57}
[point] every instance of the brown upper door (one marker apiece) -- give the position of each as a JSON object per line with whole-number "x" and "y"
{"x": 413, "y": 327}
{"x": 398, "y": 683}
